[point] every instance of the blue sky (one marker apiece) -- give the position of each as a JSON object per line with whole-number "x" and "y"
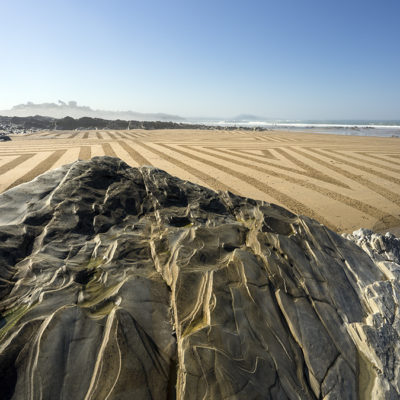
{"x": 295, "y": 59}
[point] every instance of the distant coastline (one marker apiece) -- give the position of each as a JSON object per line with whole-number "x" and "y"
{"x": 69, "y": 115}
{"x": 25, "y": 125}
{"x": 21, "y": 125}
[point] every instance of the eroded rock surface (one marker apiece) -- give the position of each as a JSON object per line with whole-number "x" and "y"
{"x": 121, "y": 283}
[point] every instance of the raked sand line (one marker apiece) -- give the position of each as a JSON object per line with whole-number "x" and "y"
{"x": 127, "y": 135}
{"x": 359, "y": 156}
{"x": 85, "y": 153}
{"x": 275, "y": 159}
{"x": 140, "y": 134}
{"x": 291, "y": 139}
{"x": 172, "y": 167}
{"x": 72, "y": 154}
{"x": 214, "y": 183}
{"x": 352, "y": 157}
{"x": 252, "y": 152}
{"x": 40, "y": 168}
{"x": 268, "y": 154}
{"x": 130, "y": 135}
{"x": 35, "y": 148}
{"x": 376, "y": 157}
{"x": 304, "y": 170}
{"x": 124, "y": 135}
{"x": 208, "y": 175}
{"x": 310, "y": 171}
{"x": 112, "y": 135}
{"x": 280, "y": 197}
{"x": 388, "y": 195}
{"x": 345, "y": 160}
{"x": 123, "y": 154}
{"x": 120, "y": 135}
{"x": 268, "y": 138}
{"x": 283, "y": 137}
{"x": 108, "y": 150}
{"x": 351, "y": 202}
{"x": 271, "y": 138}
{"x": 384, "y": 192}
{"x": 139, "y": 159}
{"x": 258, "y": 158}
{"x": 74, "y": 135}
{"x": 96, "y": 150}
{"x": 14, "y": 163}
{"x": 85, "y": 135}
{"x": 374, "y": 174}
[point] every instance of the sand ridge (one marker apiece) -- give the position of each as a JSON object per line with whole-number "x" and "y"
{"x": 345, "y": 182}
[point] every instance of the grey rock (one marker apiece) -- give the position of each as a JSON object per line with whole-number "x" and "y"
{"x": 120, "y": 283}
{"x": 340, "y": 382}
{"x": 378, "y": 335}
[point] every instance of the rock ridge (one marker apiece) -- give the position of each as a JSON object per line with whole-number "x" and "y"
{"x": 120, "y": 282}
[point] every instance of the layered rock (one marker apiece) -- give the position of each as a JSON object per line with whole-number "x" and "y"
{"x": 377, "y": 337}
{"x": 120, "y": 283}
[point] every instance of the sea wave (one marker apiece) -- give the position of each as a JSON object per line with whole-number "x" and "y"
{"x": 364, "y": 129}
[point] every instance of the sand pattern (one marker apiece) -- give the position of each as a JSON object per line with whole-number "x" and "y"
{"x": 344, "y": 182}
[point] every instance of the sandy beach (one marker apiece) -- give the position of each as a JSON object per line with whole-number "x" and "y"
{"x": 345, "y": 182}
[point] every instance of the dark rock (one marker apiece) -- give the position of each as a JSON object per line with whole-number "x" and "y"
{"x": 38, "y": 122}
{"x": 118, "y": 282}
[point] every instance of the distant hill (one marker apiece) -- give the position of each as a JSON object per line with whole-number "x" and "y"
{"x": 72, "y": 109}
{"x": 247, "y": 117}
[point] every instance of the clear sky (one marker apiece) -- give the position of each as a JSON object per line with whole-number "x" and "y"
{"x": 295, "y": 59}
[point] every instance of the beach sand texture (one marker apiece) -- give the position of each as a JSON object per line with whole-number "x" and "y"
{"x": 345, "y": 182}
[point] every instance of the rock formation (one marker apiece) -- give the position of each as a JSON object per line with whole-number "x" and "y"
{"x": 38, "y": 122}
{"x": 126, "y": 283}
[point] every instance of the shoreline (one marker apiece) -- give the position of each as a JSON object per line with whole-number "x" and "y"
{"x": 37, "y": 123}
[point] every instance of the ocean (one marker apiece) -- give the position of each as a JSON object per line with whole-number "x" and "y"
{"x": 353, "y": 128}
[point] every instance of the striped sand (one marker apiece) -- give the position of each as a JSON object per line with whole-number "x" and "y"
{"x": 345, "y": 182}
